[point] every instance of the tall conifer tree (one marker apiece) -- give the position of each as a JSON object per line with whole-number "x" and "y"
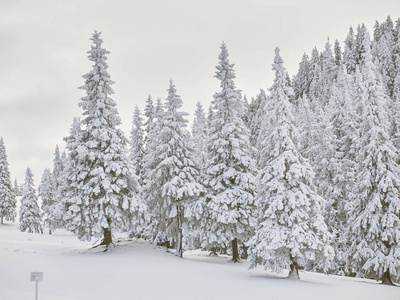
{"x": 47, "y": 193}
{"x": 173, "y": 179}
{"x": 199, "y": 136}
{"x": 29, "y": 213}
{"x": 7, "y": 194}
{"x": 136, "y": 154}
{"x": 105, "y": 191}
{"x": 230, "y": 169}
{"x": 291, "y": 231}
{"x": 374, "y": 226}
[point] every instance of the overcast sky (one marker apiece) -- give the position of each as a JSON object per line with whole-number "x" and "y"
{"x": 44, "y": 46}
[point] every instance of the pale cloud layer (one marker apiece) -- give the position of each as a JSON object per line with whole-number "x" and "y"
{"x": 44, "y": 45}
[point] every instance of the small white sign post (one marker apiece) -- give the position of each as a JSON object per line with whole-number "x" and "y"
{"x": 36, "y": 276}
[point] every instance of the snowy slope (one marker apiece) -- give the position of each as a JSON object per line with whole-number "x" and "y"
{"x": 139, "y": 270}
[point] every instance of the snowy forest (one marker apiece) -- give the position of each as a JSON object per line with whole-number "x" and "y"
{"x": 302, "y": 176}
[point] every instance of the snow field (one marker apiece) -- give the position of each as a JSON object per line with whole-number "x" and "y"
{"x": 139, "y": 270}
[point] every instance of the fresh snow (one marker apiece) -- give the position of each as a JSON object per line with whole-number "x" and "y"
{"x": 136, "y": 269}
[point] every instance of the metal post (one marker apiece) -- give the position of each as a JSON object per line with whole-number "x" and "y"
{"x": 36, "y": 294}
{"x": 36, "y": 276}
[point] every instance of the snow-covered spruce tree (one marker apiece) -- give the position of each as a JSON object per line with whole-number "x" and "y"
{"x": 153, "y": 230}
{"x": 105, "y": 191}
{"x": 58, "y": 173}
{"x": 67, "y": 179}
{"x": 47, "y": 193}
{"x": 17, "y": 188}
{"x": 328, "y": 74}
{"x": 230, "y": 169}
{"x": 57, "y": 163}
{"x": 246, "y": 107}
{"x": 29, "y": 214}
{"x": 291, "y": 232}
{"x": 338, "y": 53}
{"x": 173, "y": 177}
{"x": 199, "y": 139}
{"x": 199, "y": 136}
{"x": 382, "y": 52}
{"x": 396, "y": 89}
{"x": 258, "y": 111}
{"x": 302, "y": 80}
{"x": 361, "y": 45}
{"x": 149, "y": 113}
{"x": 136, "y": 154}
{"x": 345, "y": 130}
{"x": 7, "y": 195}
{"x": 374, "y": 227}
{"x": 349, "y": 53}
{"x": 316, "y": 89}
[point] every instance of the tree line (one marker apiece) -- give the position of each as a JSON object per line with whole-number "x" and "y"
{"x": 303, "y": 177}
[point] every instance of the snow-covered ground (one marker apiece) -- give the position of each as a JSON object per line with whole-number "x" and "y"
{"x": 139, "y": 270}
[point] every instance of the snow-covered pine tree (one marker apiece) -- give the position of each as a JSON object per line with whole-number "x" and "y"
{"x": 345, "y": 130}
{"x": 57, "y": 163}
{"x": 396, "y": 87}
{"x": 338, "y": 53}
{"x": 361, "y": 45}
{"x": 194, "y": 214}
{"x": 7, "y": 195}
{"x": 67, "y": 179}
{"x": 29, "y": 214}
{"x": 149, "y": 113}
{"x": 349, "y": 53}
{"x": 382, "y": 52}
{"x": 173, "y": 179}
{"x": 151, "y": 196}
{"x": 328, "y": 74}
{"x": 374, "y": 227}
{"x": 199, "y": 137}
{"x": 47, "y": 193}
{"x": 58, "y": 173}
{"x": 302, "y": 80}
{"x": 210, "y": 116}
{"x": 291, "y": 231}
{"x": 316, "y": 89}
{"x": 17, "y": 188}
{"x": 105, "y": 192}
{"x": 258, "y": 110}
{"x": 246, "y": 107}
{"x": 230, "y": 169}
{"x": 136, "y": 154}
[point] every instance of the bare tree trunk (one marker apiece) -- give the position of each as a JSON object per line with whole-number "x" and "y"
{"x": 179, "y": 250}
{"x": 1, "y": 220}
{"x": 235, "y": 251}
{"x": 49, "y": 227}
{"x": 294, "y": 269}
{"x": 386, "y": 278}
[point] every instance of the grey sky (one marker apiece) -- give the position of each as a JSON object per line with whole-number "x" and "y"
{"x": 44, "y": 44}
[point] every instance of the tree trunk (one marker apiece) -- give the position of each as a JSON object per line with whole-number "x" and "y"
{"x": 235, "y": 251}
{"x": 49, "y": 227}
{"x": 1, "y": 220}
{"x": 179, "y": 250}
{"x": 107, "y": 236}
{"x": 386, "y": 278}
{"x": 294, "y": 269}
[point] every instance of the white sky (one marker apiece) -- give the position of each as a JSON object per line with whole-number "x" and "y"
{"x": 44, "y": 44}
